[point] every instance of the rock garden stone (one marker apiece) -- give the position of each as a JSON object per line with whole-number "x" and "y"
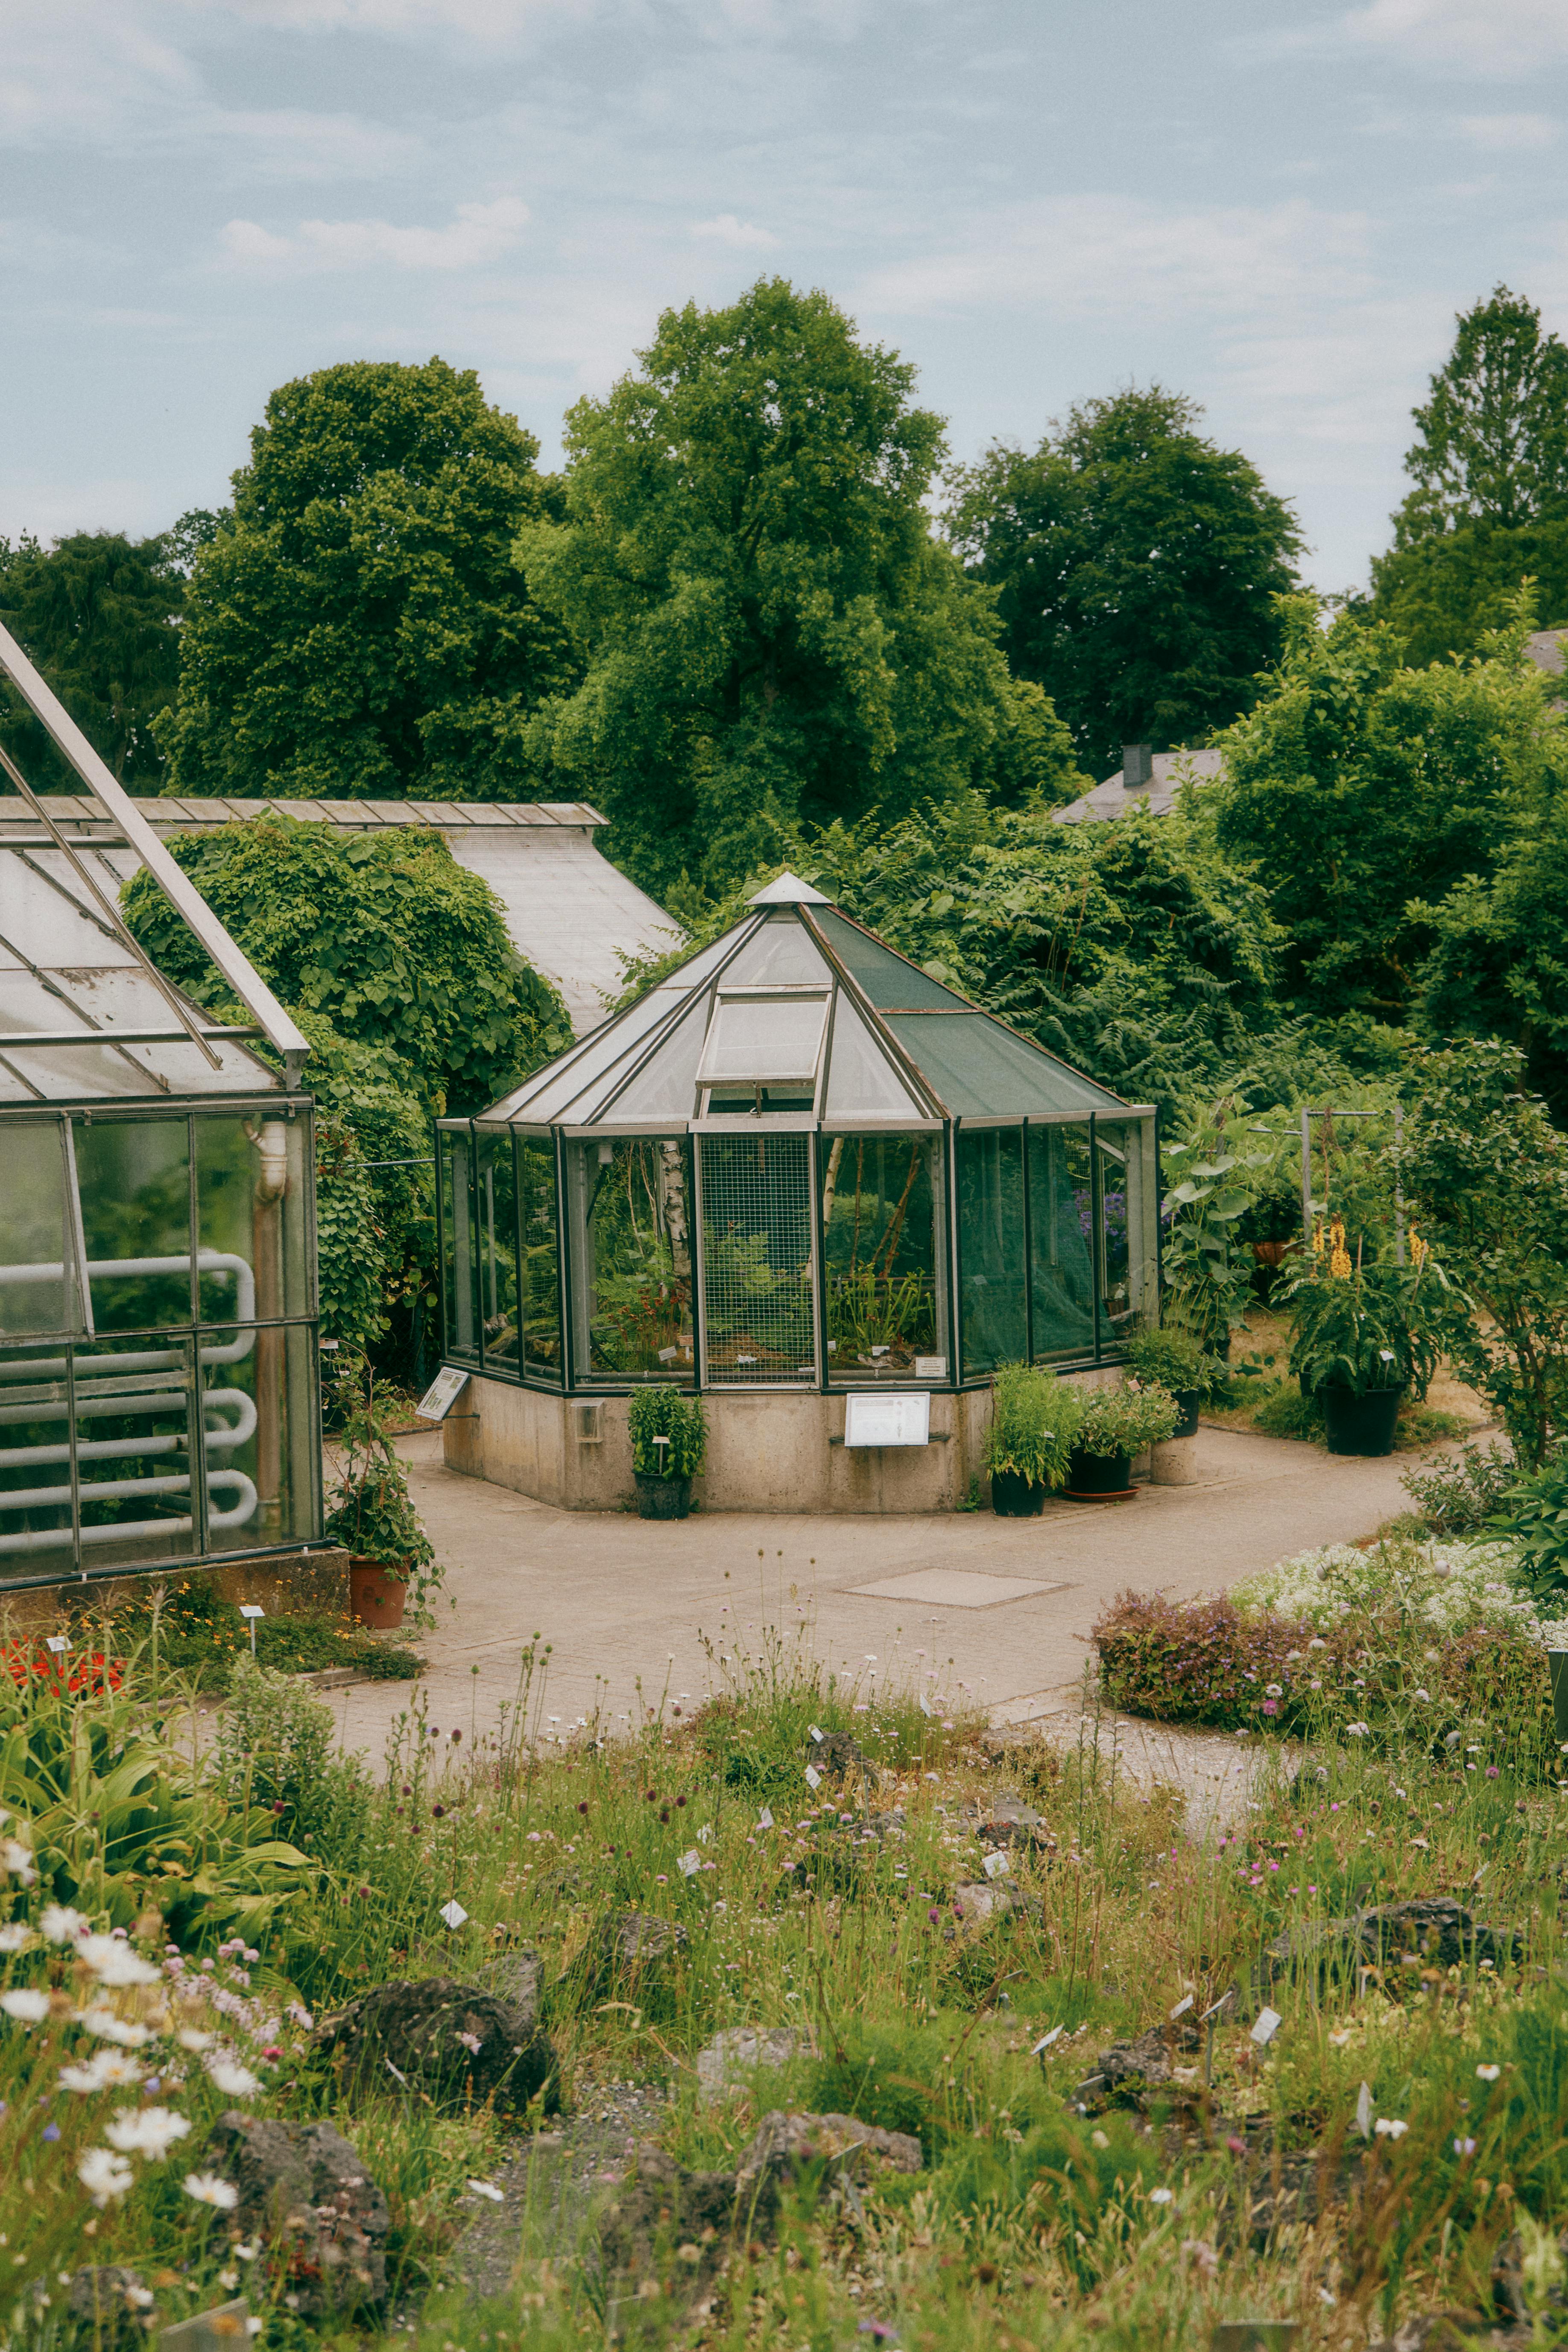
{"x": 1431, "y": 1928}
{"x": 840, "y": 1753}
{"x": 784, "y": 2141}
{"x": 105, "y": 2302}
{"x": 1128, "y": 2068}
{"x": 641, "y": 1940}
{"x": 307, "y": 2189}
{"x": 726, "y": 2062}
{"x": 459, "y": 2043}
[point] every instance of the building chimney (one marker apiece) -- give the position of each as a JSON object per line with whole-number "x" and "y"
{"x": 1137, "y": 766}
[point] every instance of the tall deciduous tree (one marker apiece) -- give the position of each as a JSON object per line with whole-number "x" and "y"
{"x": 1489, "y": 469}
{"x": 770, "y": 631}
{"x": 1136, "y": 566}
{"x": 1365, "y": 790}
{"x": 356, "y": 626}
{"x": 96, "y": 615}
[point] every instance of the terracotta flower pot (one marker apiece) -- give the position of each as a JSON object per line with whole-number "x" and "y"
{"x": 377, "y": 1594}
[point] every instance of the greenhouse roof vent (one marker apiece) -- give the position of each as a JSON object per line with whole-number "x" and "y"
{"x": 789, "y": 890}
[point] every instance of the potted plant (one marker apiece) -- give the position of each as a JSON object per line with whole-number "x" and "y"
{"x": 1173, "y": 1359}
{"x": 1362, "y": 1335}
{"x": 1033, "y": 1416}
{"x": 370, "y": 1512}
{"x": 1114, "y": 1426}
{"x": 670, "y": 1444}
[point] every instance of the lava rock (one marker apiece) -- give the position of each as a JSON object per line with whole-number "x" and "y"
{"x": 307, "y": 2189}
{"x": 839, "y": 1752}
{"x": 1128, "y": 2068}
{"x": 667, "y": 2229}
{"x": 724, "y": 2064}
{"x": 983, "y": 1899}
{"x": 457, "y": 2043}
{"x": 1431, "y": 1927}
{"x": 784, "y": 2141}
{"x": 640, "y": 1940}
{"x": 105, "y": 2302}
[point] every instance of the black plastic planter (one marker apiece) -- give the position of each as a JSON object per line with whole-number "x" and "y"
{"x": 1187, "y": 1403}
{"x": 1014, "y": 1496}
{"x": 662, "y": 1498}
{"x": 1097, "y": 1475}
{"x": 1361, "y": 1424}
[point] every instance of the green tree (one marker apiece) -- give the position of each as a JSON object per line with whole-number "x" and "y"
{"x": 1489, "y": 468}
{"x": 771, "y": 634}
{"x": 1364, "y": 790}
{"x": 97, "y": 614}
{"x": 382, "y": 934}
{"x": 1136, "y": 567}
{"x": 356, "y": 625}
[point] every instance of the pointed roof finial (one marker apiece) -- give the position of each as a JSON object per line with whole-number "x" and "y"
{"x": 789, "y": 890}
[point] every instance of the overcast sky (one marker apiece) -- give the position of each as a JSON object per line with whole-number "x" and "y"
{"x": 1274, "y": 205}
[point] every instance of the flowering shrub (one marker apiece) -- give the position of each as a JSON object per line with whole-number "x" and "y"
{"x": 1445, "y": 1587}
{"x": 88, "y": 1670}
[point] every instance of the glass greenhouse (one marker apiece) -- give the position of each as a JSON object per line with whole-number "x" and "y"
{"x": 798, "y": 1163}
{"x": 158, "y": 1384}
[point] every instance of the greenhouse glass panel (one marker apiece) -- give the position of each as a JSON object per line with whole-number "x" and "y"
{"x": 992, "y": 1312}
{"x": 458, "y": 1252}
{"x": 500, "y": 1328}
{"x": 38, "y": 1285}
{"x": 256, "y": 1428}
{"x": 759, "y": 1317}
{"x": 136, "y": 1179}
{"x": 134, "y": 1447}
{"x": 1061, "y": 1240}
{"x": 541, "y": 1270}
{"x": 632, "y": 1250}
{"x": 883, "y": 1262}
{"x": 1127, "y": 1278}
{"x": 765, "y": 1040}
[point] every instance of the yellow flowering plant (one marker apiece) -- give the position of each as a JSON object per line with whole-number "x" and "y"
{"x": 1363, "y": 1326}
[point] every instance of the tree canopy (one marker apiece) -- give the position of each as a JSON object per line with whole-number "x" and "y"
{"x": 1366, "y": 791}
{"x": 770, "y": 632}
{"x": 1489, "y": 469}
{"x": 356, "y": 625}
{"x": 1136, "y": 567}
{"x": 96, "y": 615}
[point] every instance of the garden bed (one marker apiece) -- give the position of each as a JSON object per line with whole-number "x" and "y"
{"x": 199, "y": 1635}
{"x": 1264, "y": 1396}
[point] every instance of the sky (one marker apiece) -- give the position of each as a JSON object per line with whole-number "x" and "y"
{"x": 1275, "y": 206}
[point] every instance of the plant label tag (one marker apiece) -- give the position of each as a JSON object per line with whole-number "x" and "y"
{"x": 1364, "y": 2111}
{"x": 667, "y": 1355}
{"x": 1214, "y": 2009}
{"x": 926, "y": 1706}
{"x": 1044, "y": 2042}
{"x": 1269, "y": 2023}
{"x": 764, "y": 1818}
{"x": 996, "y": 1865}
{"x": 251, "y": 1609}
{"x": 1181, "y": 2008}
{"x": 690, "y": 1864}
{"x": 57, "y": 1642}
{"x": 813, "y": 1776}
{"x": 931, "y": 1368}
{"x": 704, "y": 1833}
{"x": 815, "y": 1732}
{"x": 441, "y": 1395}
{"x": 454, "y": 1913}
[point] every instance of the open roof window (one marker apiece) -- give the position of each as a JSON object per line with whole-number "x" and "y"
{"x": 763, "y": 1049}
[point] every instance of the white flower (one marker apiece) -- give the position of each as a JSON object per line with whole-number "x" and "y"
{"x": 146, "y": 2131}
{"x": 59, "y": 1924}
{"x": 208, "y": 2188}
{"x": 488, "y": 2189}
{"x": 26, "y": 2004}
{"x": 18, "y": 1861}
{"x": 105, "y": 2070}
{"x": 1489, "y": 2074}
{"x": 109, "y": 2028}
{"x": 191, "y": 2040}
{"x": 113, "y": 1962}
{"x": 1390, "y": 2127}
{"x": 1357, "y": 1730}
{"x": 1160, "y": 2196}
{"x": 104, "y": 2175}
{"x": 1273, "y": 1690}
{"x": 17, "y": 1936}
{"x": 235, "y": 2081}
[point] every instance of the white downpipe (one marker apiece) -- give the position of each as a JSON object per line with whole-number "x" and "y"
{"x": 46, "y": 1540}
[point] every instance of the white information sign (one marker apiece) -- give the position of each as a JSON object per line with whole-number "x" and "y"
{"x": 931, "y": 1368}
{"x": 442, "y": 1394}
{"x": 900, "y": 1419}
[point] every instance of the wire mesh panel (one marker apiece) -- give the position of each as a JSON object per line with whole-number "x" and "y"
{"x": 758, "y": 1315}
{"x": 632, "y": 1260}
{"x": 882, "y": 1242}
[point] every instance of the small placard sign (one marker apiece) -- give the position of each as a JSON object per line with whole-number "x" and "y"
{"x": 442, "y": 1394}
{"x": 931, "y": 1368}
{"x": 900, "y": 1420}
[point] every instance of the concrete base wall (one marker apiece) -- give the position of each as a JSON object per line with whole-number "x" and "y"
{"x": 767, "y": 1451}
{"x": 283, "y": 1585}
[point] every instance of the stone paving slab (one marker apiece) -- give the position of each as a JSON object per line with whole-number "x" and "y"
{"x": 627, "y": 1604}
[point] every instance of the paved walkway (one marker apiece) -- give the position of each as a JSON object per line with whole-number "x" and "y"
{"x": 1000, "y": 1608}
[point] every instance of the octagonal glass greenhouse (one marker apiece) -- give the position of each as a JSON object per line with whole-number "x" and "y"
{"x": 797, "y": 1163}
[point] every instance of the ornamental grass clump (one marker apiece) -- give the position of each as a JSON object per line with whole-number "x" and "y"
{"x": 1035, "y": 1420}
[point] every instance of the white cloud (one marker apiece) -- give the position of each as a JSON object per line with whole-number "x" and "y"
{"x": 743, "y": 236}
{"x": 1509, "y": 133}
{"x": 476, "y": 238}
{"x": 1097, "y": 256}
{"x": 1499, "y": 38}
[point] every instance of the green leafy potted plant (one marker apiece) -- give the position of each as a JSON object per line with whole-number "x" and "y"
{"x": 1115, "y": 1424}
{"x": 1173, "y": 1359}
{"x": 1033, "y": 1416}
{"x": 670, "y": 1444}
{"x": 1362, "y": 1335}
{"x": 371, "y": 1514}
